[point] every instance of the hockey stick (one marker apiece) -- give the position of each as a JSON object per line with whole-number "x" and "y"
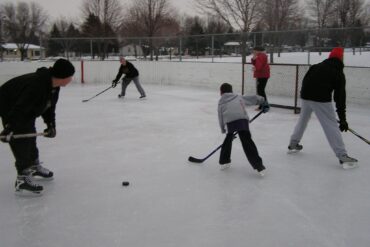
{"x": 19, "y": 136}
{"x": 358, "y": 135}
{"x": 196, "y": 160}
{"x": 86, "y": 100}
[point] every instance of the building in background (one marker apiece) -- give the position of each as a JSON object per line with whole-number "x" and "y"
{"x": 10, "y": 51}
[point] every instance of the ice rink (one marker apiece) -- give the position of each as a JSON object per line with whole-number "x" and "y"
{"x": 305, "y": 199}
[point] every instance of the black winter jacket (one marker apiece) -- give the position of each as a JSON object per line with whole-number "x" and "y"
{"x": 129, "y": 70}
{"x": 26, "y": 97}
{"x": 324, "y": 79}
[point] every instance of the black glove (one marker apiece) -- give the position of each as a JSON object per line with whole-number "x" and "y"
{"x": 343, "y": 125}
{"x": 50, "y": 131}
{"x": 7, "y": 134}
{"x": 265, "y": 107}
{"x": 114, "y": 83}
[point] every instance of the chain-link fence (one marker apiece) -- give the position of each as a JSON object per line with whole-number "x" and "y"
{"x": 210, "y": 47}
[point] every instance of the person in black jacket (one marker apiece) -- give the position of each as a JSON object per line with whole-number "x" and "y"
{"x": 22, "y": 100}
{"x": 132, "y": 74}
{"x": 319, "y": 84}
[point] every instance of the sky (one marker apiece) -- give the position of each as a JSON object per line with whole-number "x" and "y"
{"x": 71, "y": 8}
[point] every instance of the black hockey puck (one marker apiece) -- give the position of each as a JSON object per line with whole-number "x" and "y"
{"x": 125, "y": 183}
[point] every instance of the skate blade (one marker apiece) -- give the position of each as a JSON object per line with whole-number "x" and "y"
{"x": 27, "y": 193}
{"x": 349, "y": 165}
{"x": 225, "y": 167}
{"x": 293, "y": 151}
{"x": 39, "y": 178}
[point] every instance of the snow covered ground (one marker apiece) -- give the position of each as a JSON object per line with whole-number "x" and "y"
{"x": 304, "y": 200}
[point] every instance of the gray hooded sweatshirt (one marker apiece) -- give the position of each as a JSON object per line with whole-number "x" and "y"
{"x": 231, "y": 107}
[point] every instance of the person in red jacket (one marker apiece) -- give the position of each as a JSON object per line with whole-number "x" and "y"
{"x": 261, "y": 71}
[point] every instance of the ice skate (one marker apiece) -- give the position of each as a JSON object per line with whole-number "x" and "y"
{"x": 225, "y": 166}
{"x": 348, "y": 162}
{"x": 40, "y": 172}
{"x": 294, "y": 148}
{"x": 24, "y": 186}
{"x": 262, "y": 172}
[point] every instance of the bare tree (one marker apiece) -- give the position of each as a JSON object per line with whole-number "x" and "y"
{"x": 109, "y": 14}
{"x": 321, "y": 11}
{"x": 280, "y": 14}
{"x": 22, "y": 22}
{"x": 241, "y": 14}
{"x": 150, "y": 18}
{"x": 66, "y": 29}
{"x": 349, "y": 13}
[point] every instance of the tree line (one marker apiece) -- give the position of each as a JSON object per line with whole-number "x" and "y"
{"x": 107, "y": 24}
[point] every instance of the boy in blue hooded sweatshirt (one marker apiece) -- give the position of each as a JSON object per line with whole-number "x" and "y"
{"x": 232, "y": 114}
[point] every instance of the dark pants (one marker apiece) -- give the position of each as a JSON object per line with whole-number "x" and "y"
{"x": 261, "y": 85}
{"x": 249, "y": 148}
{"x": 25, "y": 149}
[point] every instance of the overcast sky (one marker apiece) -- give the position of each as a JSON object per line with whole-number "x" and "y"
{"x": 71, "y": 8}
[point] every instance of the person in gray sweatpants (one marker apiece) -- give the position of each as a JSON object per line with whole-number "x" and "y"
{"x": 132, "y": 74}
{"x": 320, "y": 82}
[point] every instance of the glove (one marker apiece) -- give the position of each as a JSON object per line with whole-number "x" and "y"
{"x": 223, "y": 131}
{"x": 343, "y": 125}
{"x": 50, "y": 131}
{"x": 7, "y": 134}
{"x": 265, "y": 107}
{"x": 114, "y": 83}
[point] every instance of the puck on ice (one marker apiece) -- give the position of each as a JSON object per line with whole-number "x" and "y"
{"x": 125, "y": 183}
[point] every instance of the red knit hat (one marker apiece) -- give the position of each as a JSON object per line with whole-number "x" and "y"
{"x": 337, "y": 52}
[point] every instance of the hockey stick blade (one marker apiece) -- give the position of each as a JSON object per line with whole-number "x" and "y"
{"x": 86, "y": 100}
{"x": 195, "y": 160}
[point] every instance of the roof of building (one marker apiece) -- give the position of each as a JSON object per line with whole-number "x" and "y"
{"x": 14, "y": 46}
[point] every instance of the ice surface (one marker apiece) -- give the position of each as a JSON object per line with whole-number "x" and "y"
{"x": 305, "y": 199}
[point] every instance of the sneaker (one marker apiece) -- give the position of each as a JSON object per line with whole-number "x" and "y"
{"x": 142, "y": 96}
{"x": 120, "y": 95}
{"x": 25, "y": 186}
{"x": 294, "y": 148}
{"x": 348, "y": 162}
{"x": 225, "y": 166}
{"x": 39, "y": 171}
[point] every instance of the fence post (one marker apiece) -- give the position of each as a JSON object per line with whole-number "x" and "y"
{"x": 213, "y": 47}
{"x": 91, "y": 49}
{"x": 82, "y": 71}
{"x": 243, "y": 46}
{"x": 296, "y": 110}
{"x": 180, "y": 51}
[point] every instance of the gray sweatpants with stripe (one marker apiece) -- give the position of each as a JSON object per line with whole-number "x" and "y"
{"x": 326, "y": 115}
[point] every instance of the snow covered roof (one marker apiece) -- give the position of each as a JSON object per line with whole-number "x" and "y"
{"x": 14, "y": 46}
{"x": 232, "y": 43}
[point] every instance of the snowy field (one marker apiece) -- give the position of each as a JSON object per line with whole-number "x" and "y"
{"x": 304, "y": 200}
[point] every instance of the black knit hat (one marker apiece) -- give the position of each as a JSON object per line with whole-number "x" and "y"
{"x": 226, "y": 88}
{"x": 62, "y": 69}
